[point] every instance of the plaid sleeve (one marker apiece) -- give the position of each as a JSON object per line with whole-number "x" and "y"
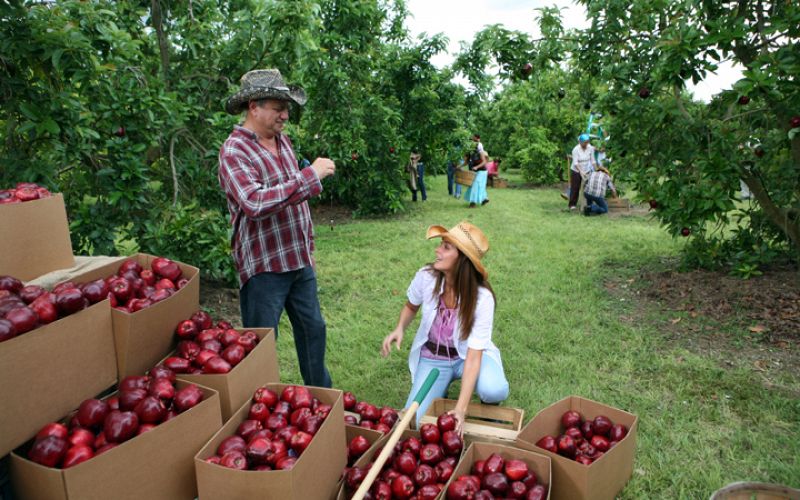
{"x": 256, "y": 200}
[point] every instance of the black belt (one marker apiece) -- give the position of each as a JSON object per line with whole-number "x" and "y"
{"x": 441, "y": 350}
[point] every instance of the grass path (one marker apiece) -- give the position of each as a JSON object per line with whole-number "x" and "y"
{"x": 701, "y": 426}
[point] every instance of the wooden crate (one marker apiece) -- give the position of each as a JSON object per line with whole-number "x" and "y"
{"x": 618, "y": 204}
{"x": 485, "y": 423}
{"x": 465, "y": 177}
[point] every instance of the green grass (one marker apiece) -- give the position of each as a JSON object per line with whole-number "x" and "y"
{"x": 701, "y": 426}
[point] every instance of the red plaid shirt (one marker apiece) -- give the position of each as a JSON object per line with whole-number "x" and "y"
{"x": 272, "y": 229}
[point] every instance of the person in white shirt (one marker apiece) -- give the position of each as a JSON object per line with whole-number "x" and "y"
{"x": 455, "y": 333}
{"x": 583, "y": 164}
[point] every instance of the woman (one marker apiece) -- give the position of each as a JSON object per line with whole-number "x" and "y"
{"x": 476, "y": 194}
{"x": 583, "y": 164}
{"x": 455, "y": 333}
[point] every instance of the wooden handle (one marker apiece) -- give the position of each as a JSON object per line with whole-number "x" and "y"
{"x": 395, "y": 436}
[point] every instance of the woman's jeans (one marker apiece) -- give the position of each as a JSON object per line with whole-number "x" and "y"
{"x": 420, "y": 182}
{"x": 263, "y": 299}
{"x": 491, "y": 387}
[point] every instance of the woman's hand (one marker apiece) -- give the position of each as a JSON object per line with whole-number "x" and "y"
{"x": 396, "y": 336}
{"x": 460, "y": 416}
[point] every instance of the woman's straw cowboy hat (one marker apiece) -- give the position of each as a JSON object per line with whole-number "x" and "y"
{"x": 467, "y": 238}
{"x": 263, "y": 84}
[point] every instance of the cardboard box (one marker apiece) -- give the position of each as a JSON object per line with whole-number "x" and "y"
{"x": 604, "y": 478}
{"x": 538, "y": 463}
{"x": 485, "y": 423}
{"x": 236, "y": 387}
{"x": 50, "y": 370}
{"x": 144, "y": 337}
{"x": 350, "y": 432}
{"x": 156, "y": 465}
{"x": 34, "y": 238}
{"x": 314, "y": 476}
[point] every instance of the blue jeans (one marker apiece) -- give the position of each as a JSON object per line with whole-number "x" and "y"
{"x": 421, "y": 181}
{"x": 453, "y": 188}
{"x": 491, "y": 387}
{"x": 263, "y": 299}
{"x": 597, "y": 204}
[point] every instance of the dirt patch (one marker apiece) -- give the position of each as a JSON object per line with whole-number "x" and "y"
{"x": 753, "y": 323}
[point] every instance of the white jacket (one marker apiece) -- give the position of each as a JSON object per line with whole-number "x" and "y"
{"x": 420, "y": 292}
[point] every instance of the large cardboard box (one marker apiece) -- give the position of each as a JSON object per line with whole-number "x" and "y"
{"x": 314, "y": 476}
{"x": 538, "y": 463}
{"x": 604, "y": 478}
{"x": 34, "y": 238}
{"x": 144, "y": 337}
{"x": 485, "y": 423}
{"x": 155, "y": 465}
{"x": 48, "y": 371}
{"x": 236, "y": 387}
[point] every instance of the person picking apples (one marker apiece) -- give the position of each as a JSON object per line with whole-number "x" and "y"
{"x": 583, "y": 163}
{"x": 597, "y": 184}
{"x": 273, "y": 235}
{"x": 455, "y": 333}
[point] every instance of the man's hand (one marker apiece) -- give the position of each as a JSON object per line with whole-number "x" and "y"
{"x": 323, "y": 167}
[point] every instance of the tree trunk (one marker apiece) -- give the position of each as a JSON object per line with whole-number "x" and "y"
{"x": 776, "y": 215}
{"x": 163, "y": 46}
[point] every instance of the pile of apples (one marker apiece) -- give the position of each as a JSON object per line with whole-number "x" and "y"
{"x": 24, "y": 191}
{"x": 584, "y": 440}
{"x": 276, "y": 432}
{"x": 369, "y": 416}
{"x": 25, "y": 308}
{"x": 141, "y": 403}
{"x": 496, "y": 477}
{"x": 208, "y": 347}
{"x": 417, "y": 467}
{"x": 134, "y": 288}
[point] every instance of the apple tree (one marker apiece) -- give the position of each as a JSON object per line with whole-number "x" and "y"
{"x": 687, "y": 157}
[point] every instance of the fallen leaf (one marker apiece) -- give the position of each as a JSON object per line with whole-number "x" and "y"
{"x": 760, "y": 365}
{"x": 782, "y": 344}
{"x": 675, "y": 321}
{"x": 693, "y": 314}
{"x": 758, "y": 328}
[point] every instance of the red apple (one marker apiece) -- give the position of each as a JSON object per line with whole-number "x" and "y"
{"x": 23, "y": 319}
{"x": 187, "y": 398}
{"x": 446, "y": 422}
{"x": 166, "y": 268}
{"x": 402, "y": 485}
{"x": 537, "y": 492}
{"x": 178, "y": 364}
{"x": 285, "y": 463}
{"x": 53, "y": 429}
{"x": 233, "y": 354}
{"x": 80, "y": 436}
{"x": 202, "y": 320}
{"x": 92, "y": 413}
{"x": 452, "y": 444}
{"x": 743, "y": 100}
{"x": 76, "y": 455}
{"x": 30, "y": 293}
{"x": 7, "y": 330}
{"x": 234, "y": 460}
{"x": 571, "y": 418}
{"x": 216, "y": 365}
{"x": 431, "y": 454}
{"x": 686, "y": 231}
{"x": 10, "y": 284}
{"x": 429, "y": 433}
{"x": 300, "y": 441}
{"x": 130, "y": 398}
{"x": 357, "y": 447}
{"x": 461, "y": 489}
{"x": 618, "y": 432}
{"x": 49, "y": 451}
{"x": 187, "y": 329}
{"x": 496, "y": 483}
{"x": 516, "y": 469}
{"x": 602, "y": 425}
{"x": 162, "y": 388}
{"x": 119, "y": 426}
{"x": 354, "y": 477}
{"x": 150, "y": 410}
{"x": 232, "y": 443}
{"x": 600, "y": 443}
{"x": 566, "y": 446}
{"x": 644, "y": 92}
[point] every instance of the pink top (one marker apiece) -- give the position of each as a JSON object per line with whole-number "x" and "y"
{"x": 491, "y": 167}
{"x": 441, "y": 333}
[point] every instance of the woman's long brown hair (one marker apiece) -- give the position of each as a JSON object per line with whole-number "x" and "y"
{"x": 467, "y": 283}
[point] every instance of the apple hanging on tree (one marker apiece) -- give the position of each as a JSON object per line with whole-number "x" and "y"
{"x": 562, "y": 93}
{"x": 527, "y": 69}
{"x": 120, "y": 132}
{"x": 653, "y": 204}
{"x": 759, "y": 151}
{"x": 354, "y": 156}
{"x": 743, "y": 100}
{"x": 391, "y": 149}
{"x": 644, "y": 92}
{"x": 794, "y": 122}
{"x": 686, "y": 231}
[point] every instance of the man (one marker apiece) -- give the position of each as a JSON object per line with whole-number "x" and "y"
{"x": 273, "y": 237}
{"x": 583, "y": 163}
{"x": 595, "y": 192}
{"x": 413, "y": 173}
